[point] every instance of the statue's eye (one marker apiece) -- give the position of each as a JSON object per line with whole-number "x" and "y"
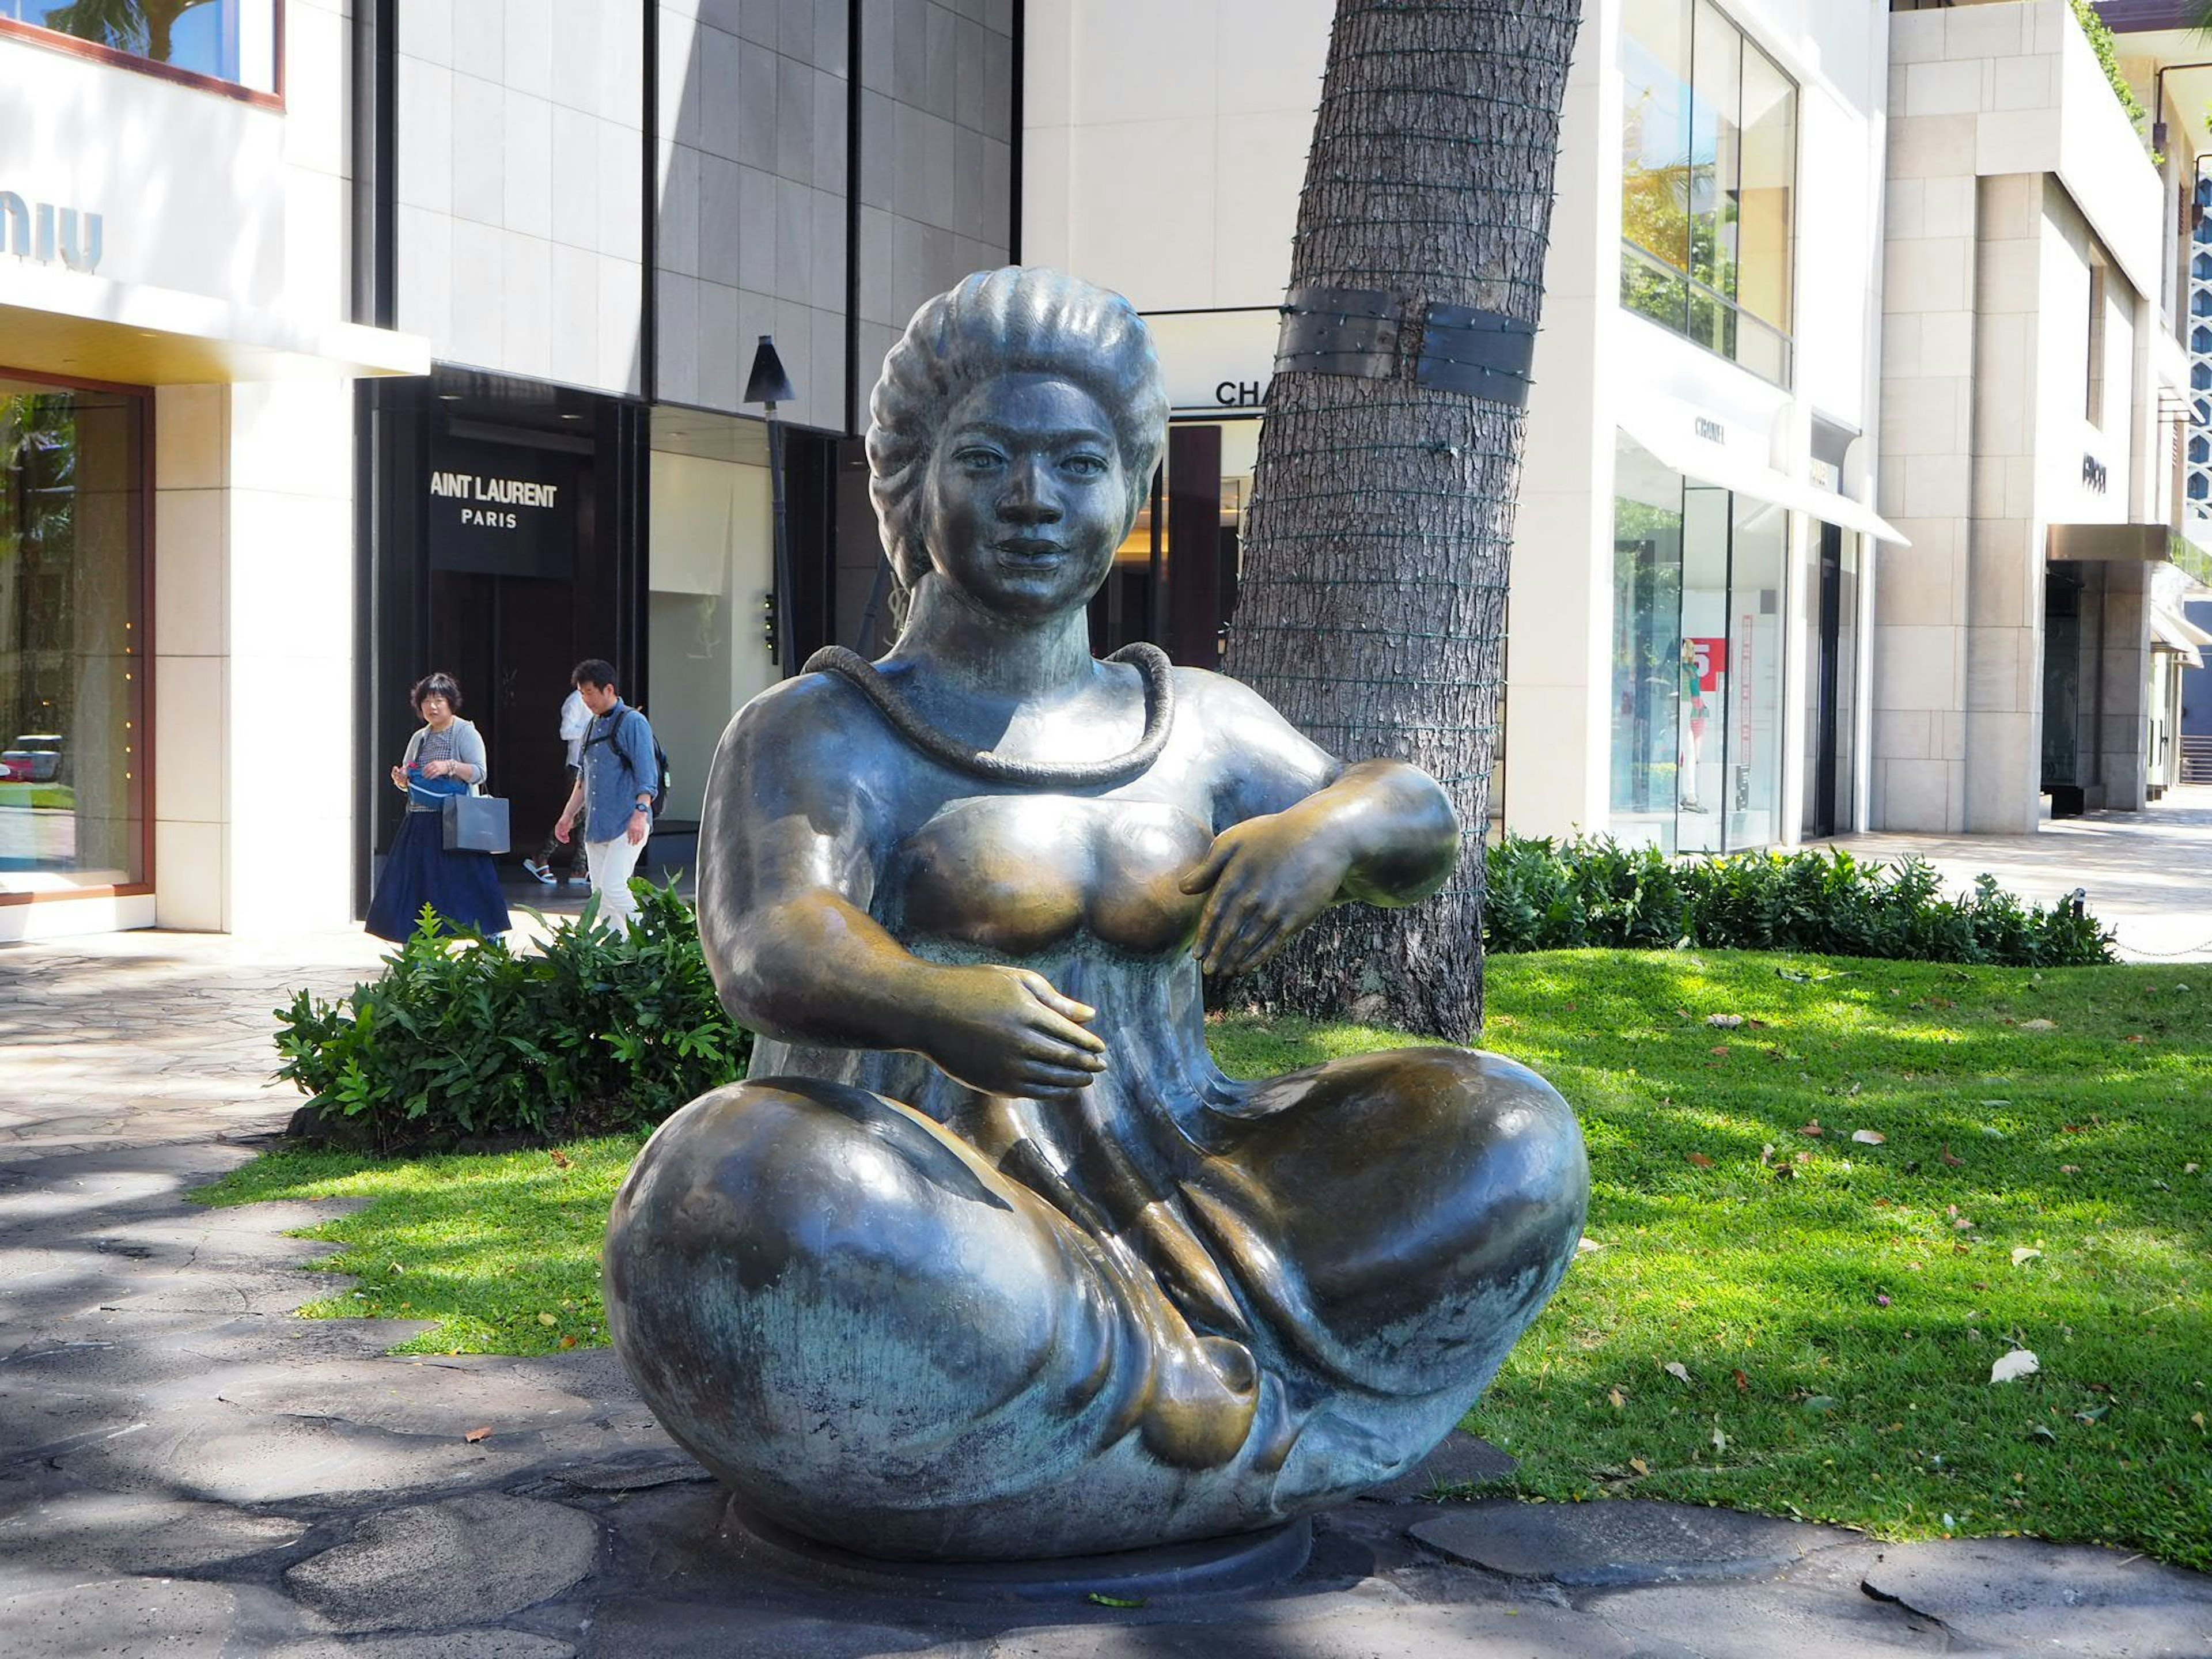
{"x": 979, "y": 457}
{"x": 1085, "y": 465}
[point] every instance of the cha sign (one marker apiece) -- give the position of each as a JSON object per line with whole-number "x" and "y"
{"x": 500, "y": 509}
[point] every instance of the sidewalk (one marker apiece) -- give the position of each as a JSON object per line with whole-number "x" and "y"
{"x": 2147, "y": 874}
{"x": 186, "y": 1469}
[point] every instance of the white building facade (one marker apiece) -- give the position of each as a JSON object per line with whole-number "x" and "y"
{"x": 290, "y": 289}
{"x": 2035, "y": 394}
{"x": 177, "y": 355}
{"x": 1694, "y": 554}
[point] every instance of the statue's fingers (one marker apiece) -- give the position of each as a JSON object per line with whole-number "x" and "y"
{"x": 1257, "y": 952}
{"x": 1231, "y": 922}
{"x": 1035, "y": 1079}
{"x": 1224, "y": 914}
{"x": 1044, "y": 991}
{"x": 1255, "y": 924}
{"x": 1059, "y": 1056}
{"x": 1207, "y": 870}
{"x": 1045, "y": 1030}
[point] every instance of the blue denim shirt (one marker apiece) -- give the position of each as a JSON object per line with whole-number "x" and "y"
{"x": 617, "y": 770}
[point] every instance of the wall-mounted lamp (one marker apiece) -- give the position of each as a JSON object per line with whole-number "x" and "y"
{"x": 768, "y": 385}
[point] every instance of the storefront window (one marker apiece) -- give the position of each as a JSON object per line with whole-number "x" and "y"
{"x": 1649, "y": 670}
{"x": 1709, "y": 157}
{"x": 232, "y": 40}
{"x": 1758, "y": 554}
{"x": 72, "y": 638}
{"x": 1696, "y": 660}
{"x": 712, "y": 566}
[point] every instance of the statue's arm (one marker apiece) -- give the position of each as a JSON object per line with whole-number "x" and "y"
{"x": 793, "y": 832}
{"x": 1298, "y": 831}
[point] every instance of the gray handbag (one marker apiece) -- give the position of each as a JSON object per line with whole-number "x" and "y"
{"x": 476, "y": 824}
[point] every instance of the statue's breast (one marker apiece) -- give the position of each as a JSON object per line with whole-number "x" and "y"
{"x": 1019, "y": 874}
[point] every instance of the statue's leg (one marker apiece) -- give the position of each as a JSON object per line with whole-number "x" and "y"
{"x": 883, "y": 1342}
{"x": 1423, "y": 1205}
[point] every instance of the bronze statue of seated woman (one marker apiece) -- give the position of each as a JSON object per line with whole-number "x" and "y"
{"x": 988, "y": 1259}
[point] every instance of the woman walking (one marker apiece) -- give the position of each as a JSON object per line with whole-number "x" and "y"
{"x": 445, "y": 757}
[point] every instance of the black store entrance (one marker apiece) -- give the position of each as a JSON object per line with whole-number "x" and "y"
{"x": 509, "y": 521}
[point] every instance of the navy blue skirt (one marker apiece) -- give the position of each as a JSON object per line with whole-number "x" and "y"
{"x": 463, "y": 888}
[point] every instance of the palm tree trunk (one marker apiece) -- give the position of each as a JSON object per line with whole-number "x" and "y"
{"x": 1372, "y": 604}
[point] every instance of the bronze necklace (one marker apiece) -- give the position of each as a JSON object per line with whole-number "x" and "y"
{"x": 989, "y": 764}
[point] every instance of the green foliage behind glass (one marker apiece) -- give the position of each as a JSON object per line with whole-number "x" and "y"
{"x": 462, "y": 1038}
{"x": 1545, "y": 896}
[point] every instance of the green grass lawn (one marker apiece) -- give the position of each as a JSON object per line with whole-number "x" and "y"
{"x": 1835, "y": 1305}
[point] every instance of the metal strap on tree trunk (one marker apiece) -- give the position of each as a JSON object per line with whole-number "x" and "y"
{"x": 1484, "y": 354}
{"x": 1357, "y": 332}
{"x": 1339, "y": 330}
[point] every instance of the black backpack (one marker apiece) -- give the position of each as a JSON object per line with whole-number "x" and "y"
{"x": 661, "y": 772}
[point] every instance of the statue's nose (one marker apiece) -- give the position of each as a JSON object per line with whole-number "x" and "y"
{"x": 1028, "y": 497}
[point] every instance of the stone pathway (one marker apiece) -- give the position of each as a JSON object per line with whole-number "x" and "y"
{"x": 2147, "y": 874}
{"x": 187, "y": 1470}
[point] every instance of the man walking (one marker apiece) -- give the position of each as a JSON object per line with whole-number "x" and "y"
{"x": 575, "y": 724}
{"x": 615, "y": 793}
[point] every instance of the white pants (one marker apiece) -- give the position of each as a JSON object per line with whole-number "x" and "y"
{"x": 610, "y": 862}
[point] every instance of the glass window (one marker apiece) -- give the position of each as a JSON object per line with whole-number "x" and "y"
{"x": 1648, "y": 673}
{"x": 232, "y": 40}
{"x": 1709, "y": 167}
{"x": 1751, "y": 797}
{"x": 712, "y": 566}
{"x": 1696, "y": 660}
{"x": 72, "y": 637}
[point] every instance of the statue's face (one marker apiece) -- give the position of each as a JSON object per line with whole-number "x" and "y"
{"x": 1026, "y": 496}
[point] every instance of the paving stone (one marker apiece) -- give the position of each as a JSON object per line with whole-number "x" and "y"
{"x": 177, "y": 1617}
{"x": 464, "y": 1561}
{"x": 632, "y": 1477}
{"x": 1806, "y": 1612}
{"x": 81, "y": 1530}
{"x": 234, "y": 1456}
{"x": 1358, "y": 1631}
{"x": 1622, "y": 1541}
{"x": 448, "y": 1645}
{"x": 1463, "y": 1459}
{"x": 2020, "y": 1595}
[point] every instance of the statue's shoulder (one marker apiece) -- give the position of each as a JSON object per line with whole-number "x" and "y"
{"x": 791, "y": 717}
{"x": 1217, "y": 696}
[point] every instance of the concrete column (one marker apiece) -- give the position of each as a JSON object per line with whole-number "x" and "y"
{"x": 289, "y": 771}
{"x": 2003, "y": 637}
{"x": 1917, "y": 765}
{"x": 1558, "y": 656}
{"x": 192, "y": 650}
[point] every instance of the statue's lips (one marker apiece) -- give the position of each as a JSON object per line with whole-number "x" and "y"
{"x": 1025, "y": 555}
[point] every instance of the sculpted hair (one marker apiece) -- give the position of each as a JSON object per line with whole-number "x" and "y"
{"x": 1018, "y": 319}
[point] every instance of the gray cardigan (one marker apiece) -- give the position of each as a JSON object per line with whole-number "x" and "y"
{"x": 467, "y": 746}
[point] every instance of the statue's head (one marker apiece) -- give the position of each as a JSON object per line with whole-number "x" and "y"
{"x": 1014, "y": 346}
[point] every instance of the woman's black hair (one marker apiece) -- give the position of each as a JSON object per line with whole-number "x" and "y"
{"x": 439, "y": 685}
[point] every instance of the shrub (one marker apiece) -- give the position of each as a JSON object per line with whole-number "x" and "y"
{"x": 463, "y": 1039}
{"x": 1593, "y": 891}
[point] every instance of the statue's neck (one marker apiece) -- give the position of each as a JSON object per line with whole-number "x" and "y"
{"x": 954, "y": 642}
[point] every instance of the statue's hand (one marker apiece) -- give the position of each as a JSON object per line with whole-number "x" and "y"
{"x": 1269, "y": 876}
{"x": 1007, "y": 1031}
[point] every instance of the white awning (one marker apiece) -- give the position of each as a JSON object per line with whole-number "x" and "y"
{"x": 1728, "y": 468}
{"x": 73, "y": 325}
{"x": 2179, "y": 635}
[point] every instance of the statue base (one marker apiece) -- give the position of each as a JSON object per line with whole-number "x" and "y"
{"x": 1206, "y": 1567}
